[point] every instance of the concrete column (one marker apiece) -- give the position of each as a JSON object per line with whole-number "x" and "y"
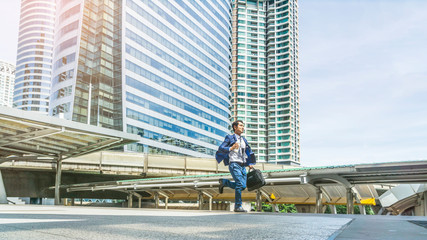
{"x": 275, "y": 208}
{"x": 166, "y": 202}
{"x": 58, "y": 180}
{"x": 200, "y": 200}
{"x": 362, "y": 209}
{"x": 139, "y": 202}
{"x": 258, "y": 204}
{"x": 318, "y": 201}
{"x": 333, "y": 209}
{"x": 424, "y": 203}
{"x": 350, "y": 206}
{"x": 3, "y": 196}
{"x": 156, "y": 200}
{"x": 130, "y": 200}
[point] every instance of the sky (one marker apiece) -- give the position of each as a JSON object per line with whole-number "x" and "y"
{"x": 363, "y": 78}
{"x": 363, "y": 81}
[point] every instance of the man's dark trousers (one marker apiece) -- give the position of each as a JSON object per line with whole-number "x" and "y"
{"x": 239, "y": 175}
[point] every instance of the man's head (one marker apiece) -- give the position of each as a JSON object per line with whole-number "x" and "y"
{"x": 238, "y": 127}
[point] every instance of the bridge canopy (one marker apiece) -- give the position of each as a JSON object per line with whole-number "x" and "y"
{"x": 35, "y": 137}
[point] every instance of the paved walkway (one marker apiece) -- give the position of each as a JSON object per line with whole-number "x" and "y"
{"x": 59, "y": 222}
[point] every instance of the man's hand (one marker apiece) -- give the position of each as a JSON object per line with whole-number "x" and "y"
{"x": 235, "y": 146}
{"x": 251, "y": 166}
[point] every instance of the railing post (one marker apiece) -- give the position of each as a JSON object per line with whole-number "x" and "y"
{"x": 145, "y": 163}
{"x": 185, "y": 165}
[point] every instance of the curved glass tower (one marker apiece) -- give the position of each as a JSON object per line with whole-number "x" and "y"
{"x": 177, "y": 75}
{"x": 159, "y": 69}
{"x": 265, "y": 77}
{"x": 34, "y": 58}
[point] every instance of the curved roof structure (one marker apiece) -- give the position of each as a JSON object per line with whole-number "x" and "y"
{"x": 37, "y": 137}
{"x": 297, "y": 185}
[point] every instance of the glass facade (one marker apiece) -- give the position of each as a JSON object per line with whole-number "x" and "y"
{"x": 177, "y": 75}
{"x": 87, "y": 71}
{"x": 265, "y": 81}
{"x": 160, "y": 69}
{"x": 7, "y": 80}
{"x": 34, "y": 57}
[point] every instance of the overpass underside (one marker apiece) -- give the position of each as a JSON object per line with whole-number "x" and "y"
{"x": 156, "y": 179}
{"x": 24, "y": 178}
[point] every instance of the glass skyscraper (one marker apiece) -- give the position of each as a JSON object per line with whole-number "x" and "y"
{"x": 34, "y": 58}
{"x": 265, "y": 81}
{"x": 159, "y": 69}
{"x": 7, "y": 80}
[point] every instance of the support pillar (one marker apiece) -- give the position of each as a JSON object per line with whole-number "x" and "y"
{"x": 333, "y": 209}
{"x": 156, "y": 200}
{"x": 424, "y": 202}
{"x": 362, "y": 209}
{"x": 166, "y": 198}
{"x": 258, "y": 201}
{"x": 200, "y": 200}
{"x": 210, "y": 199}
{"x": 139, "y": 202}
{"x": 319, "y": 207}
{"x": 3, "y": 196}
{"x": 130, "y": 200}
{"x": 350, "y": 201}
{"x": 166, "y": 202}
{"x": 58, "y": 180}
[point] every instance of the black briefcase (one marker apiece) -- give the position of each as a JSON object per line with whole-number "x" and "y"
{"x": 255, "y": 179}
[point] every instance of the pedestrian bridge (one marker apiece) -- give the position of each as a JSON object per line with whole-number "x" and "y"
{"x": 312, "y": 188}
{"x": 134, "y": 164}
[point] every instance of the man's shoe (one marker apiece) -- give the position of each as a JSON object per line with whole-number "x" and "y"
{"x": 221, "y": 186}
{"x": 240, "y": 209}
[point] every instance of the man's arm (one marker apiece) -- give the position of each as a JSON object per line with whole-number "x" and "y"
{"x": 224, "y": 147}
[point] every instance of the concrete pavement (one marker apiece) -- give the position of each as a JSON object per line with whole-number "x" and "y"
{"x": 60, "y": 222}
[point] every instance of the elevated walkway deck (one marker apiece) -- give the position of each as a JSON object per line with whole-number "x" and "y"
{"x": 319, "y": 186}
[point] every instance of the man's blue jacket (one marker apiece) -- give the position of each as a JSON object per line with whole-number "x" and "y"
{"x": 224, "y": 150}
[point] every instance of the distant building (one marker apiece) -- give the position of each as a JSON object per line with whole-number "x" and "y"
{"x": 157, "y": 68}
{"x": 7, "y": 79}
{"x": 34, "y": 59}
{"x": 265, "y": 80}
